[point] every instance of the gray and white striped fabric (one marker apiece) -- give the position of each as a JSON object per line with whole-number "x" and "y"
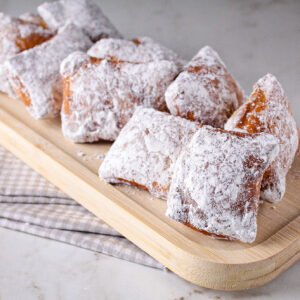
{"x": 29, "y": 203}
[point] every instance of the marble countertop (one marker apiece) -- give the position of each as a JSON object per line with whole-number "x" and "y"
{"x": 253, "y": 38}
{"x": 35, "y": 268}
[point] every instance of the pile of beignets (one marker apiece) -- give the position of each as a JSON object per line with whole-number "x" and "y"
{"x": 183, "y": 131}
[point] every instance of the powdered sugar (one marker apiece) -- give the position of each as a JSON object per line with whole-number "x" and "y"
{"x": 204, "y": 91}
{"x": 145, "y": 152}
{"x": 17, "y": 35}
{"x": 138, "y": 50}
{"x": 101, "y": 96}
{"x": 216, "y": 182}
{"x": 33, "y": 18}
{"x": 84, "y": 13}
{"x": 34, "y": 74}
{"x": 72, "y": 63}
{"x": 268, "y": 111}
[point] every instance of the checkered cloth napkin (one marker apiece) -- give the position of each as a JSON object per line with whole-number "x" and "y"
{"x": 29, "y": 203}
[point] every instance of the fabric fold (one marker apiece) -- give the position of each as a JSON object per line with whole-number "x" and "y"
{"x": 30, "y": 204}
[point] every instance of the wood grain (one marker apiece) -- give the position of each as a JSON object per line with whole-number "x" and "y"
{"x": 210, "y": 263}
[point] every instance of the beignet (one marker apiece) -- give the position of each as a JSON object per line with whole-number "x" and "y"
{"x": 138, "y": 50}
{"x": 17, "y": 35}
{"x": 205, "y": 91}
{"x": 34, "y": 74}
{"x": 146, "y": 149}
{"x": 100, "y": 95}
{"x": 85, "y": 14}
{"x": 216, "y": 182}
{"x": 268, "y": 110}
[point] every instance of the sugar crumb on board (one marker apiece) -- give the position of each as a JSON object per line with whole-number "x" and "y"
{"x": 100, "y": 156}
{"x": 81, "y": 153}
{"x": 86, "y": 157}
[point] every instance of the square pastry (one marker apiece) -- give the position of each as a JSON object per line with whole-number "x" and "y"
{"x": 146, "y": 150}
{"x": 216, "y": 182}
{"x": 34, "y": 74}
{"x": 17, "y": 35}
{"x": 100, "y": 95}
{"x": 268, "y": 110}
{"x": 204, "y": 91}
{"x": 85, "y": 14}
{"x": 138, "y": 50}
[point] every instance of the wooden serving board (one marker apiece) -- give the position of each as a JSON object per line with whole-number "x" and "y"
{"x": 139, "y": 217}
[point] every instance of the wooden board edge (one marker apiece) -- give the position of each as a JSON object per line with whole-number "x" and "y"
{"x": 185, "y": 264}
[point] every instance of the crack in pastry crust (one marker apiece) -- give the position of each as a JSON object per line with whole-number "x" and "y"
{"x": 21, "y": 92}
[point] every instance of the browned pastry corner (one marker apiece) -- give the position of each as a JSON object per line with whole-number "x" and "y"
{"x": 34, "y": 74}
{"x": 268, "y": 110}
{"x": 18, "y": 35}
